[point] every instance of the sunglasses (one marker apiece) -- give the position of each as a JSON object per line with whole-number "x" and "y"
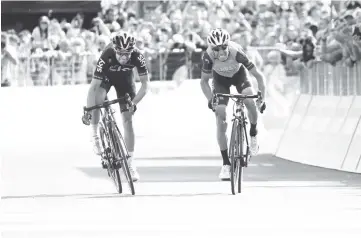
{"x": 220, "y": 47}
{"x": 123, "y": 52}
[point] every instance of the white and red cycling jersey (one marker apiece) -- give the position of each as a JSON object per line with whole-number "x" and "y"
{"x": 228, "y": 68}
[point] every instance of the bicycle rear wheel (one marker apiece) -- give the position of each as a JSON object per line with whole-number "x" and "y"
{"x": 123, "y": 153}
{"x": 234, "y": 150}
{"x": 112, "y": 171}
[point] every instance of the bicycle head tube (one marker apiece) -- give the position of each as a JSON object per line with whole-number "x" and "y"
{"x": 239, "y": 108}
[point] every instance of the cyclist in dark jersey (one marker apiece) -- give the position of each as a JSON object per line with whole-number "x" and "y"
{"x": 227, "y": 64}
{"x": 115, "y": 68}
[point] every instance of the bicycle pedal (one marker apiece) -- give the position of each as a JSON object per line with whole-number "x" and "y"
{"x": 104, "y": 165}
{"x": 243, "y": 162}
{"x": 247, "y": 160}
{"x": 117, "y": 164}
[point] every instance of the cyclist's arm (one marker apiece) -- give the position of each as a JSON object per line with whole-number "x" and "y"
{"x": 11, "y": 54}
{"x": 291, "y": 53}
{"x": 207, "y": 66}
{"x": 98, "y": 78}
{"x": 142, "y": 69}
{"x": 93, "y": 92}
{"x": 253, "y": 69}
{"x": 104, "y": 30}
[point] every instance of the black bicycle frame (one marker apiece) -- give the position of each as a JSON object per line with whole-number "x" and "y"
{"x": 239, "y": 115}
{"x": 107, "y": 118}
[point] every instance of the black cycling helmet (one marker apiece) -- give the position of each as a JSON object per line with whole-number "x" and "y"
{"x": 123, "y": 41}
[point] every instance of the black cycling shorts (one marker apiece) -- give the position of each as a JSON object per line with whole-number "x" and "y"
{"x": 222, "y": 84}
{"x": 122, "y": 87}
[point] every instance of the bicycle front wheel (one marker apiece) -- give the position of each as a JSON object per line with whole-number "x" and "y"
{"x": 242, "y": 156}
{"x": 234, "y": 155}
{"x": 113, "y": 172}
{"x": 123, "y": 153}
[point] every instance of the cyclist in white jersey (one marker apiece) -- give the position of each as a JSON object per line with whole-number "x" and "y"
{"x": 226, "y": 63}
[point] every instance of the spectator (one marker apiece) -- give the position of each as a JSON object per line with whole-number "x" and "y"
{"x": 180, "y": 25}
{"x": 62, "y": 65}
{"x": 76, "y": 26}
{"x": 24, "y": 53}
{"x": 41, "y": 33}
{"x": 276, "y": 76}
{"x": 111, "y": 20}
{"x": 245, "y": 39}
{"x": 100, "y": 27}
{"x": 9, "y": 60}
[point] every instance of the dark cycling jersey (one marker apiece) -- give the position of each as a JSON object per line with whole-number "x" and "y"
{"x": 112, "y": 73}
{"x": 109, "y": 67}
{"x": 236, "y": 59}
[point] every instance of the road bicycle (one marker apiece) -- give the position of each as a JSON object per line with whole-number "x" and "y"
{"x": 239, "y": 153}
{"x": 114, "y": 150}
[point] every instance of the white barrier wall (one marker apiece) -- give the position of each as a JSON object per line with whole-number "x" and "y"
{"x": 323, "y": 132}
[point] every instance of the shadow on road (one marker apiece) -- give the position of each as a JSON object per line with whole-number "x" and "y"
{"x": 281, "y": 170}
{"x": 278, "y": 173}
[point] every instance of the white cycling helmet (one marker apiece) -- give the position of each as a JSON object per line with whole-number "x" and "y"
{"x": 123, "y": 40}
{"x": 218, "y": 37}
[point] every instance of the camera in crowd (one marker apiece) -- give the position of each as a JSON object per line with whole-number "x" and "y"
{"x": 308, "y": 48}
{"x": 3, "y": 41}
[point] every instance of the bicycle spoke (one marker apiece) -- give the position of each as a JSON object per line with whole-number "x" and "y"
{"x": 114, "y": 149}
{"x": 233, "y": 155}
{"x": 123, "y": 154}
{"x": 242, "y": 158}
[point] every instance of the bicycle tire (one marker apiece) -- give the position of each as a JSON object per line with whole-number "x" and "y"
{"x": 114, "y": 172}
{"x": 122, "y": 152}
{"x": 233, "y": 153}
{"x": 128, "y": 176}
{"x": 104, "y": 146}
{"x": 242, "y": 130}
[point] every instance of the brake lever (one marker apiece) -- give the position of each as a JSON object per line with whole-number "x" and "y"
{"x": 128, "y": 101}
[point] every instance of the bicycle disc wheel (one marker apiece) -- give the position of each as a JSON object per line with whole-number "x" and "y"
{"x": 114, "y": 172}
{"x": 233, "y": 154}
{"x": 242, "y": 158}
{"x": 123, "y": 154}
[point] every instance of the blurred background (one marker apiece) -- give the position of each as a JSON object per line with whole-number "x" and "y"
{"x": 313, "y": 46}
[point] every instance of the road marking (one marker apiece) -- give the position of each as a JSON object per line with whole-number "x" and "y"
{"x": 177, "y": 163}
{"x": 174, "y": 163}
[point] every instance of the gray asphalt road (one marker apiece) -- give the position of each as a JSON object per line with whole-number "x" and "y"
{"x": 174, "y": 194}
{"x": 267, "y": 169}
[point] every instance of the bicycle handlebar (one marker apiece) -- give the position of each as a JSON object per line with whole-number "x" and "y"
{"x": 239, "y": 96}
{"x": 107, "y": 103}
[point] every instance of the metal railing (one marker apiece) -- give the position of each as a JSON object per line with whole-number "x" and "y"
{"x": 328, "y": 80}
{"x": 63, "y": 69}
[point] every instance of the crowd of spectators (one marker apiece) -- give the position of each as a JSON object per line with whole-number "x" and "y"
{"x": 294, "y": 34}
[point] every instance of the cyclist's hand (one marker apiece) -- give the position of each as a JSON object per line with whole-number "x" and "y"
{"x": 210, "y": 104}
{"x": 133, "y": 108}
{"x": 261, "y": 105}
{"x": 86, "y": 118}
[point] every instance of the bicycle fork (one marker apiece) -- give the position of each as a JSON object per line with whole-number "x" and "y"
{"x": 242, "y": 123}
{"x": 107, "y": 154}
